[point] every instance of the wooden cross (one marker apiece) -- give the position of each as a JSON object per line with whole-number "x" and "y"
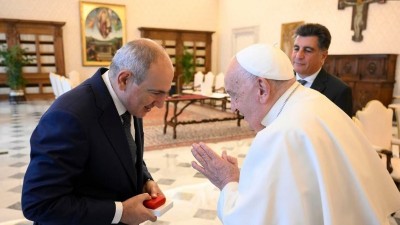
{"x": 359, "y": 17}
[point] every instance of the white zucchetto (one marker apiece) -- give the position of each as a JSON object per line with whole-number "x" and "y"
{"x": 266, "y": 61}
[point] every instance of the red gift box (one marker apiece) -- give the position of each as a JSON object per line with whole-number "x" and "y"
{"x": 155, "y": 202}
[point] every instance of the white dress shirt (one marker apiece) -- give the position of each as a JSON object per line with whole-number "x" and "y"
{"x": 121, "y": 110}
{"x": 310, "y": 79}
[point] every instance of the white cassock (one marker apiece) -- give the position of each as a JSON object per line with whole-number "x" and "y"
{"x": 310, "y": 165}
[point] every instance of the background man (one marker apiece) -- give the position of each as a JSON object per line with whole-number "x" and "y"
{"x": 310, "y": 50}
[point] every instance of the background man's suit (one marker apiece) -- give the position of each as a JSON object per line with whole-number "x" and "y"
{"x": 334, "y": 89}
{"x": 80, "y": 159}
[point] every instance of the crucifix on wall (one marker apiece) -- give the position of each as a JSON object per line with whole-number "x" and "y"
{"x": 359, "y": 16}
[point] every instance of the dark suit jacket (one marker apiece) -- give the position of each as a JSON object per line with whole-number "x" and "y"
{"x": 334, "y": 89}
{"x": 80, "y": 159}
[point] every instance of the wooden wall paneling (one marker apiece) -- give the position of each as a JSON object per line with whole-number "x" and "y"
{"x": 3, "y": 41}
{"x": 346, "y": 67}
{"x": 176, "y": 41}
{"x": 371, "y": 76}
{"x": 44, "y": 41}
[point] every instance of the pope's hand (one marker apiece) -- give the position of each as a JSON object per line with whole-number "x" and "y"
{"x": 219, "y": 170}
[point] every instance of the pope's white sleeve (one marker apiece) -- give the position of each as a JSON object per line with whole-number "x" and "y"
{"x": 227, "y": 199}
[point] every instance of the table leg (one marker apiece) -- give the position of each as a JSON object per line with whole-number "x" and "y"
{"x": 223, "y": 104}
{"x": 175, "y": 119}
{"x": 239, "y": 117}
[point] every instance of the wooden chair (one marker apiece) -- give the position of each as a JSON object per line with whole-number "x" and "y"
{"x": 209, "y": 78}
{"x": 375, "y": 121}
{"x": 219, "y": 83}
{"x": 74, "y": 78}
{"x": 56, "y": 85}
{"x": 219, "y": 89}
{"x": 66, "y": 84}
{"x": 198, "y": 79}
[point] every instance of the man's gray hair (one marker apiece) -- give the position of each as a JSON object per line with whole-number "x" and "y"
{"x": 136, "y": 56}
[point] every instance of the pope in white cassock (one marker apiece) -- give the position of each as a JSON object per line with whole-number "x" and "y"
{"x": 308, "y": 164}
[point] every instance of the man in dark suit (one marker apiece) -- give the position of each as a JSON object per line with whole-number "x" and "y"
{"x": 310, "y": 50}
{"x": 83, "y": 168}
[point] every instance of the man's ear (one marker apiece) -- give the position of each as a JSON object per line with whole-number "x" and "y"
{"x": 263, "y": 89}
{"x": 123, "y": 79}
{"x": 324, "y": 54}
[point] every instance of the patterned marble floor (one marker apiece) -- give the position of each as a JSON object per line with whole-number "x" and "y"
{"x": 194, "y": 198}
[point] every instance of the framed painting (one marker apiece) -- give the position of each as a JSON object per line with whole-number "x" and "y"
{"x": 103, "y": 32}
{"x": 287, "y": 32}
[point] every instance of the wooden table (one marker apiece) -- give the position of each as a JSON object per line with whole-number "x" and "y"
{"x": 189, "y": 99}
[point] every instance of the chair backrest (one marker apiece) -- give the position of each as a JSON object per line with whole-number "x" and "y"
{"x": 219, "y": 83}
{"x": 60, "y": 85}
{"x": 74, "y": 78}
{"x": 54, "y": 84}
{"x": 206, "y": 86}
{"x": 209, "y": 79}
{"x": 66, "y": 84}
{"x": 357, "y": 122}
{"x": 396, "y": 109}
{"x": 376, "y": 123}
{"x": 198, "y": 79}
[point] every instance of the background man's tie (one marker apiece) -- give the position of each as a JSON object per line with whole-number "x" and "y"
{"x": 126, "y": 118}
{"x": 302, "y": 82}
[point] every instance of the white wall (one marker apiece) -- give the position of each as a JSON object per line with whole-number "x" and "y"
{"x": 177, "y": 14}
{"x": 381, "y": 36}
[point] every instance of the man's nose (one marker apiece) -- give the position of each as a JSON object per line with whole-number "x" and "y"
{"x": 300, "y": 54}
{"x": 159, "y": 103}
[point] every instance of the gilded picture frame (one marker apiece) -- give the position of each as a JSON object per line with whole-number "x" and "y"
{"x": 287, "y": 36}
{"x": 103, "y": 32}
